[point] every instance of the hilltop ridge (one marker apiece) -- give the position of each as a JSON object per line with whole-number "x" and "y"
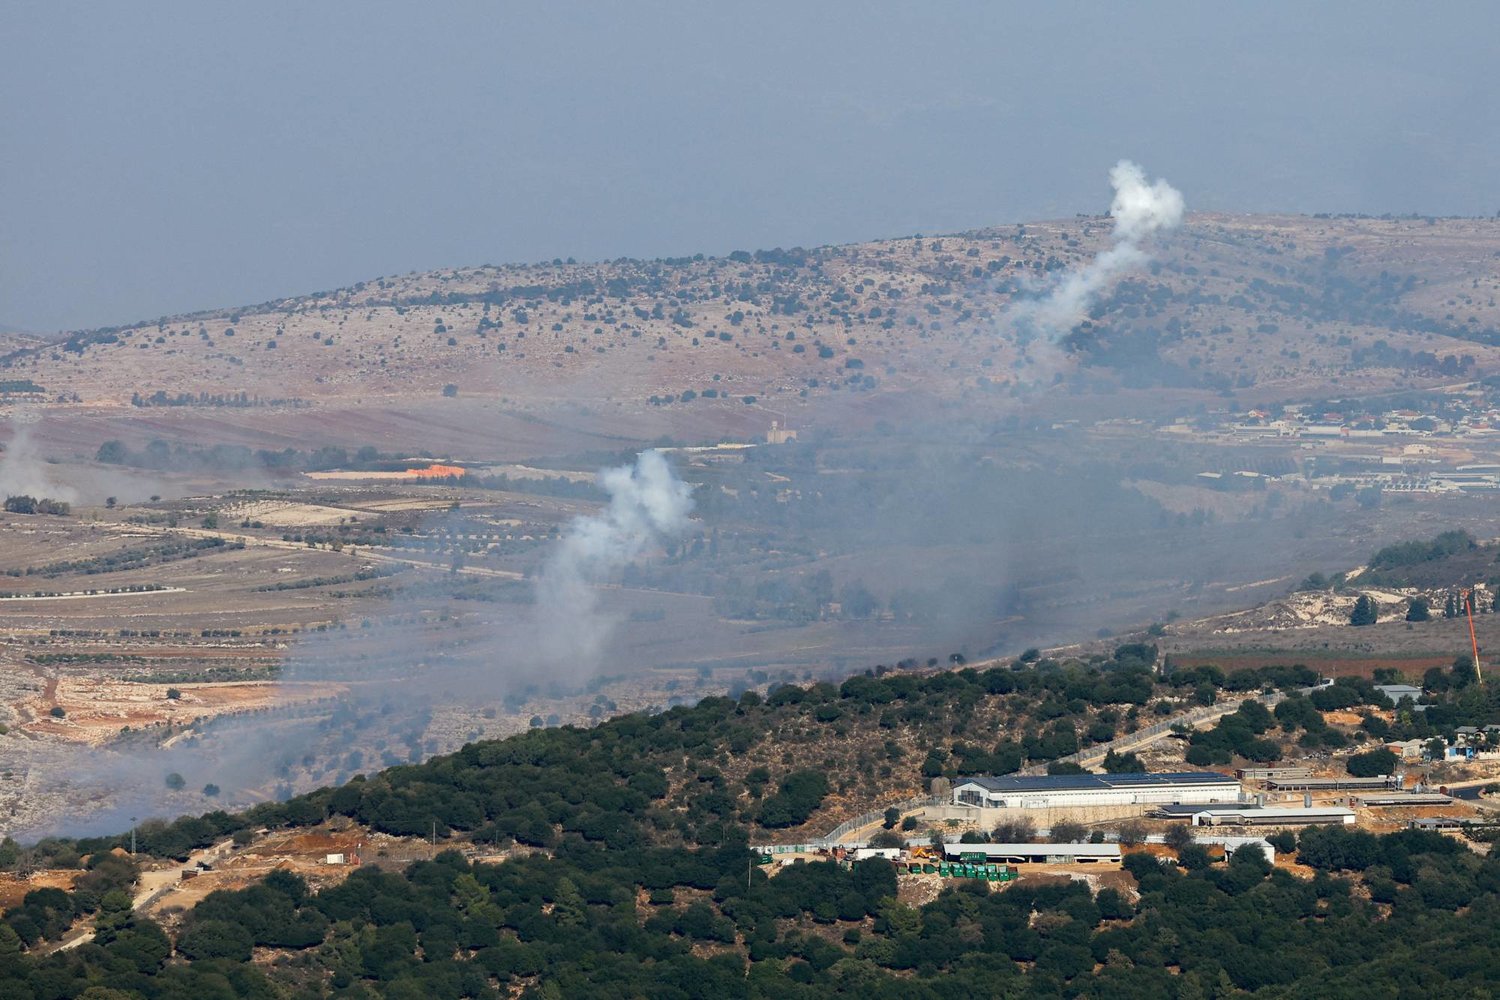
{"x": 1279, "y": 306}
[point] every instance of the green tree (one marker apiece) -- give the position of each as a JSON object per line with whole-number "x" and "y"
{"x": 470, "y": 896}
{"x": 1418, "y": 610}
{"x": 1068, "y": 832}
{"x": 1372, "y": 763}
{"x": 1365, "y": 612}
{"x": 1179, "y": 836}
{"x": 1126, "y": 763}
{"x": 568, "y": 906}
{"x": 216, "y": 939}
{"x": 112, "y": 453}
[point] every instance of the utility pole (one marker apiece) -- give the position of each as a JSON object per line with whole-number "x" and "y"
{"x": 132, "y": 836}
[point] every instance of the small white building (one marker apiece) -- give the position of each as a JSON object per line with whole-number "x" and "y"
{"x": 1070, "y": 790}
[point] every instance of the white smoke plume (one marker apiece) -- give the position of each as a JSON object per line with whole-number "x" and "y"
{"x": 1139, "y": 210}
{"x": 23, "y": 471}
{"x": 647, "y": 504}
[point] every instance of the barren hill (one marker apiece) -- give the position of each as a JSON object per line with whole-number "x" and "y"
{"x": 1283, "y": 306}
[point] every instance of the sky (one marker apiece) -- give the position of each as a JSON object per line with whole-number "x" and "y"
{"x": 165, "y": 157}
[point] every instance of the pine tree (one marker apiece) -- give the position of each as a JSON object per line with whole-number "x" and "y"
{"x": 1450, "y": 606}
{"x": 1364, "y": 612}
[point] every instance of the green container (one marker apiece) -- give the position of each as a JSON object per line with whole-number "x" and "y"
{"x": 929, "y": 868}
{"x": 972, "y": 856}
{"x": 944, "y": 871}
{"x": 766, "y": 859}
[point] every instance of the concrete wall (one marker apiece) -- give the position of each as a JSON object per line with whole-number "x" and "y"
{"x": 988, "y": 819}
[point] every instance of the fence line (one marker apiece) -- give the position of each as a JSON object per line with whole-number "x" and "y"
{"x": 864, "y": 819}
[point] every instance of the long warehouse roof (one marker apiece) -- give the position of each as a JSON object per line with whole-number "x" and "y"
{"x": 1095, "y": 782}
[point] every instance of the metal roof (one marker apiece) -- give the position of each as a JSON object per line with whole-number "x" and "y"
{"x": 1192, "y": 809}
{"x": 1406, "y": 799}
{"x": 1095, "y": 782}
{"x": 1250, "y": 810}
{"x": 1396, "y": 692}
{"x": 1273, "y": 813}
{"x": 1330, "y": 784}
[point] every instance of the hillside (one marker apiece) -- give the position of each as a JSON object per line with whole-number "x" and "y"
{"x": 628, "y": 873}
{"x": 1287, "y": 306}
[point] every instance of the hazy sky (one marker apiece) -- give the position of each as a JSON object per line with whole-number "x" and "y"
{"x": 163, "y": 157}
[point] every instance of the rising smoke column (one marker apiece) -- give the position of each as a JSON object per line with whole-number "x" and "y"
{"x": 1139, "y": 210}
{"x": 647, "y": 503}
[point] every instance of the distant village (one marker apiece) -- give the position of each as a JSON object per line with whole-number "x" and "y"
{"x": 1451, "y": 444}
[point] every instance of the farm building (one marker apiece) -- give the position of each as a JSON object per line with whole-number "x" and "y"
{"x": 1073, "y": 790}
{"x": 1041, "y": 854}
{"x": 1267, "y": 773}
{"x": 1438, "y": 823}
{"x": 1253, "y": 815}
{"x": 1396, "y": 692}
{"x": 1345, "y": 784}
{"x": 1399, "y": 799}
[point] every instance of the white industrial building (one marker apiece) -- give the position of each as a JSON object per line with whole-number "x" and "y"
{"x": 1396, "y": 692}
{"x": 1250, "y": 814}
{"x": 1074, "y": 790}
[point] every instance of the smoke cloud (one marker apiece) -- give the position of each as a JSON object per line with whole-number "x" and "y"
{"x": 23, "y": 471}
{"x": 1139, "y": 209}
{"x": 647, "y": 504}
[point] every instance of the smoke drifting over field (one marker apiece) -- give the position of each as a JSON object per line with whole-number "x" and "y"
{"x": 647, "y": 503}
{"x": 23, "y": 472}
{"x": 392, "y": 690}
{"x": 1140, "y": 209}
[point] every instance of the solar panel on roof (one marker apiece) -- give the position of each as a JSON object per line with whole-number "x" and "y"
{"x": 1097, "y": 782}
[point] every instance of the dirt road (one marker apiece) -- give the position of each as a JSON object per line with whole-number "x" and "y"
{"x": 154, "y": 885}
